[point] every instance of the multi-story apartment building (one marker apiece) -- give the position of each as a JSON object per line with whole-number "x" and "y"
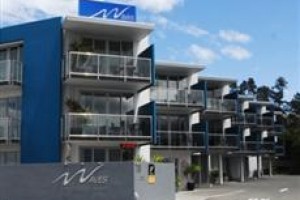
{"x": 80, "y": 89}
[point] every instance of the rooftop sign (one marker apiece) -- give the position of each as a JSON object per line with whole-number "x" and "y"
{"x": 100, "y": 9}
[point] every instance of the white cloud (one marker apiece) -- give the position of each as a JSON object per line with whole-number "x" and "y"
{"x": 194, "y": 30}
{"x": 16, "y": 11}
{"x": 236, "y": 52}
{"x": 189, "y": 29}
{"x": 157, "y": 6}
{"x": 234, "y": 36}
{"x": 202, "y": 55}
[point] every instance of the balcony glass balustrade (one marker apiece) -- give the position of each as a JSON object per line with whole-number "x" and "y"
{"x": 10, "y": 129}
{"x": 10, "y": 72}
{"x": 227, "y": 140}
{"x": 93, "y": 65}
{"x": 107, "y": 125}
{"x": 265, "y": 121}
{"x": 245, "y": 119}
{"x": 258, "y": 146}
{"x": 225, "y": 105}
{"x": 178, "y": 96}
{"x": 180, "y": 138}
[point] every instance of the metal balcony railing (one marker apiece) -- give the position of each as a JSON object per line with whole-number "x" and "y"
{"x": 93, "y": 65}
{"x": 180, "y": 97}
{"x": 10, "y": 72}
{"x": 265, "y": 121}
{"x": 279, "y": 150}
{"x": 278, "y": 129}
{"x": 87, "y": 125}
{"x": 225, "y": 105}
{"x": 220, "y": 140}
{"x": 181, "y": 138}
{"x": 258, "y": 146}
{"x": 245, "y": 119}
{"x": 10, "y": 129}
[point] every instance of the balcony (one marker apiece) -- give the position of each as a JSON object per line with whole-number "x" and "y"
{"x": 108, "y": 71}
{"x": 279, "y": 150}
{"x": 265, "y": 122}
{"x": 218, "y": 140}
{"x": 87, "y": 126}
{"x": 178, "y": 100}
{"x": 10, "y": 129}
{"x": 10, "y": 73}
{"x": 258, "y": 146}
{"x": 245, "y": 119}
{"x": 219, "y": 105}
{"x": 278, "y": 130}
{"x": 180, "y": 139}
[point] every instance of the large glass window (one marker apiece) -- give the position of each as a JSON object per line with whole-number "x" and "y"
{"x": 9, "y": 158}
{"x": 114, "y": 155}
{"x": 105, "y": 154}
{"x": 127, "y": 48}
{"x": 114, "y": 47}
{"x": 106, "y": 103}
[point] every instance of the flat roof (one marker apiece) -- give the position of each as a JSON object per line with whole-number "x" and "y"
{"x": 177, "y": 68}
{"x": 217, "y": 79}
{"x": 266, "y": 103}
{"x": 106, "y": 27}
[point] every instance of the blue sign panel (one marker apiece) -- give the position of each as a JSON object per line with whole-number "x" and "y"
{"x": 93, "y": 8}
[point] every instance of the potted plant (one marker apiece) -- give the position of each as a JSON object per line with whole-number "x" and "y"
{"x": 178, "y": 183}
{"x": 214, "y": 175}
{"x": 191, "y": 171}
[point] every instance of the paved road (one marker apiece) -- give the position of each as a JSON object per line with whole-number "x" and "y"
{"x": 268, "y": 188}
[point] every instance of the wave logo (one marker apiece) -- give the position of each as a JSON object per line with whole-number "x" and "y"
{"x": 92, "y": 8}
{"x": 114, "y": 13}
{"x": 83, "y": 177}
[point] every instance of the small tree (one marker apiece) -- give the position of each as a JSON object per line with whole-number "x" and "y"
{"x": 263, "y": 93}
{"x": 251, "y": 86}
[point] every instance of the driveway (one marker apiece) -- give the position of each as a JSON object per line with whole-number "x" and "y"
{"x": 268, "y": 188}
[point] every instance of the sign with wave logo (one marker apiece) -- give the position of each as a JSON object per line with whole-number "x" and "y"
{"x": 82, "y": 176}
{"x": 100, "y": 9}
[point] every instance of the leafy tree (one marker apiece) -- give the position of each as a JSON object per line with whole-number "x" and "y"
{"x": 295, "y": 104}
{"x": 243, "y": 87}
{"x": 263, "y": 93}
{"x": 278, "y": 90}
{"x": 251, "y": 86}
{"x": 292, "y": 137}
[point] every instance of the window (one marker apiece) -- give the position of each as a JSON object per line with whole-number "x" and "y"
{"x": 99, "y": 155}
{"x": 9, "y": 158}
{"x": 127, "y": 48}
{"x": 86, "y": 155}
{"x": 114, "y": 155}
{"x": 114, "y": 48}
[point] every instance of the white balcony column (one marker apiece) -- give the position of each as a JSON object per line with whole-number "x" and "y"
{"x": 221, "y": 180}
{"x": 242, "y": 166}
{"x": 208, "y": 160}
{"x": 259, "y": 170}
{"x": 270, "y": 166}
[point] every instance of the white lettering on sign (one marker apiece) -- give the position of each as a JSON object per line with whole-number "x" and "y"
{"x": 115, "y": 13}
{"x": 83, "y": 177}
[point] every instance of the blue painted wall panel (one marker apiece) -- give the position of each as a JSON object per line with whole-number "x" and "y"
{"x": 40, "y": 134}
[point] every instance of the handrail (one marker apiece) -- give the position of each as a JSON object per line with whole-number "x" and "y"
{"x": 178, "y": 96}
{"x": 105, "y": 65}
{"x": 106, "y": 125}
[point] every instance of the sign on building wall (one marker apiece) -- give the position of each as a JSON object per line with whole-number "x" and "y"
{"x": 111, "y": 181}
{"x": 94, "y": 8}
